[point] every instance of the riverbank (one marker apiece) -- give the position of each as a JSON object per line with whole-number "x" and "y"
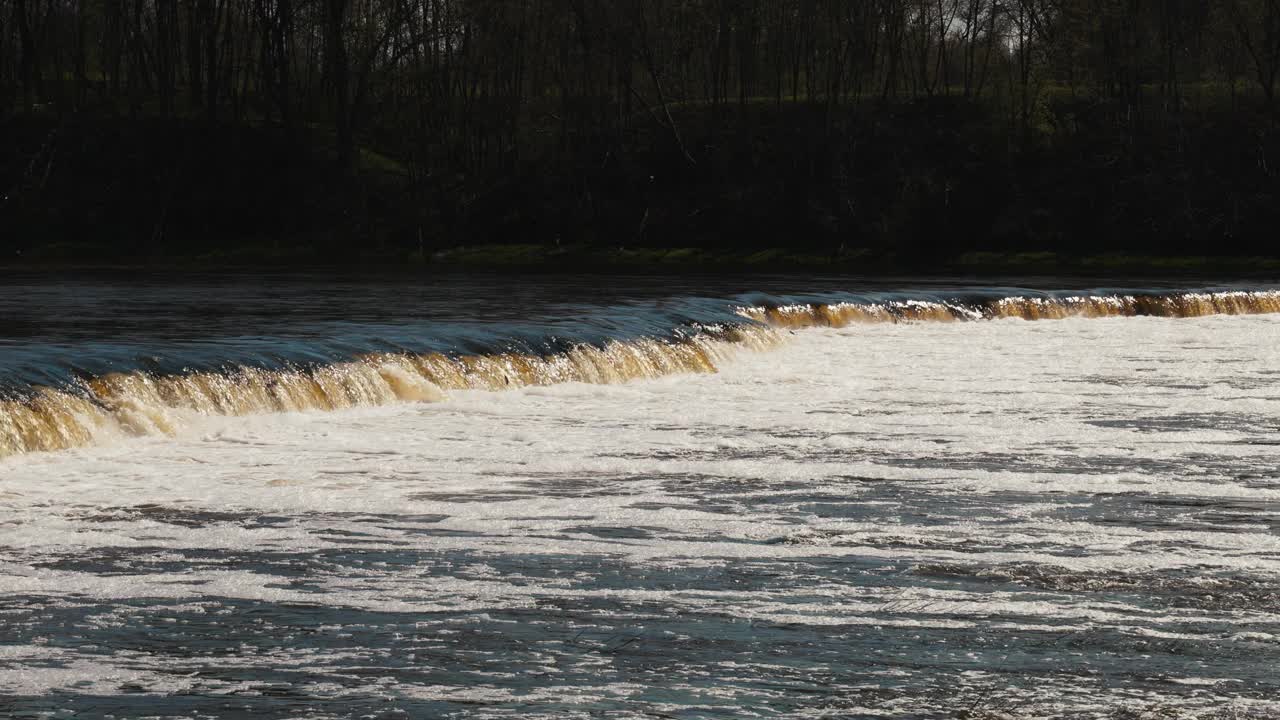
{"x": 920, "y": 186}
{"x": 537, "y": 259}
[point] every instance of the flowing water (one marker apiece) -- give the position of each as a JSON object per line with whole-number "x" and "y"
{"x": 262, "y": 497}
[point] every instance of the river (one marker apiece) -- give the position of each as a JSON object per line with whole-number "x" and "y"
{"x": 248, "y": 496}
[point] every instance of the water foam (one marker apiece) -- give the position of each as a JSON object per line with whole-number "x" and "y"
{"x": 883, "y": 519}
{"x": 137, "y": 403}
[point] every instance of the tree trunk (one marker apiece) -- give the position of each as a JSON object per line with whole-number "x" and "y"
{"x": 28, "y": 64}
{"x": 337, "y": 67}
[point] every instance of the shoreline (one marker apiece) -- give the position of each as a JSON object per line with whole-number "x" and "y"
{"x": 540, "y": 260}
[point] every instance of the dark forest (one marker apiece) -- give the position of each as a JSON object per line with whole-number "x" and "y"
{"x": 908, "y": 131}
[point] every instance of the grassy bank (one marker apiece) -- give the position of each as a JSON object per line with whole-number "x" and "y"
{"x": 537, "y": 259}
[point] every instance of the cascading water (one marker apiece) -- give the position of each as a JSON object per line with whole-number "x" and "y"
{"x": 142, "y": 402}
{"x": 914, "y": 505}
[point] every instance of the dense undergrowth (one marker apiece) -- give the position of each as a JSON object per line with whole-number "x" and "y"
{"x": 936, "y": 182}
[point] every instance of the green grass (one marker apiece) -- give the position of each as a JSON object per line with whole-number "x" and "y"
{"x": 493, "y": 255}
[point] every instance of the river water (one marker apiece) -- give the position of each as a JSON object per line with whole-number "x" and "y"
{"x": 259, "y": 497}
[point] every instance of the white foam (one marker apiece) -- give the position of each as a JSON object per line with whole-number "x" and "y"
{"x": 1005, "y": 444}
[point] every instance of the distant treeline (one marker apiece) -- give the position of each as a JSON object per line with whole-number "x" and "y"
{"x": 631, "y": 121}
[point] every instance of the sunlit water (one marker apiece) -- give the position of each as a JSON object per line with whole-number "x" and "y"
{"x": 1001, "y": 518}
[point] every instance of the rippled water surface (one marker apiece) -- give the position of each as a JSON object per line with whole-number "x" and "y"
{"x": 999, "y": 518}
